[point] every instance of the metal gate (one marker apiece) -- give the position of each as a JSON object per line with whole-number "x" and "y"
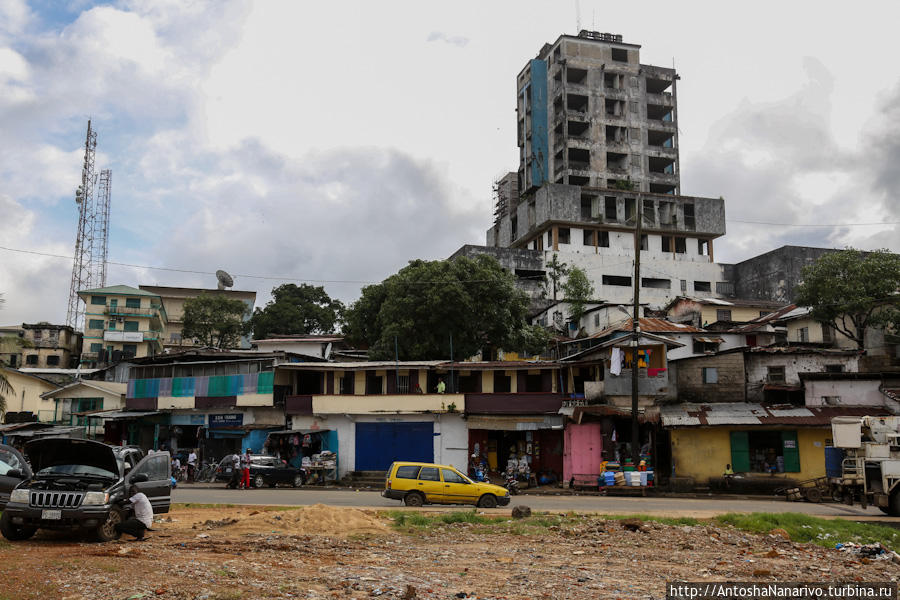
{"x": 380, "y": 444}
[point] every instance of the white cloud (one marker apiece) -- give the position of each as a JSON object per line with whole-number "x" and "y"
{"x": 453, "y": 40}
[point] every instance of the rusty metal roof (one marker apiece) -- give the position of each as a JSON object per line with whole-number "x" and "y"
{"x": 649, "y": 325}
{"x": 745, "y": 414}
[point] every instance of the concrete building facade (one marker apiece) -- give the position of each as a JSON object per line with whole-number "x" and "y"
{"x": 121, "y": 322}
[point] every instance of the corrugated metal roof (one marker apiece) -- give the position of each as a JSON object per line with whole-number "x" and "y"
{"x": 648, "y": 325}
{"x": 739, "y": 413}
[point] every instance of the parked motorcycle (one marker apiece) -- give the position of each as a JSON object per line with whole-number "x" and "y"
{"x": 511, "y": 484}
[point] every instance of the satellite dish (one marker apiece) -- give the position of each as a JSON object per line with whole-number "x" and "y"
{"x": 225, "y": 280}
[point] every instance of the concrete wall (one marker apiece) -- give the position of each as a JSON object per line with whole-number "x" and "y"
{"x": 849, "y": 392}
{"x": 702, "y": 453}
{"x": 730, "y": 371}
{"x": 775, "y": 274}
{"x": 26, "y": 395}
{"x": 450, "y": 439}
{"x": 757, "y": 364}
{"x": 386, "y": 404}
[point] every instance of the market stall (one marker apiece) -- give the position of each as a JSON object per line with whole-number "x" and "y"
{"x": 313, "y": 450}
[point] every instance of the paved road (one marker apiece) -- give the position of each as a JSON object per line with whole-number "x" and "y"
{"x": 696, "y": 507}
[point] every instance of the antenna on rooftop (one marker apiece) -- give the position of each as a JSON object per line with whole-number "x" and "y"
{"x": 577, "y": 16}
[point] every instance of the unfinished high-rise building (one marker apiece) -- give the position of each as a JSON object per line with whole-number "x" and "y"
{"x": 590, "y": 114}
{"x": 597, "y": 133}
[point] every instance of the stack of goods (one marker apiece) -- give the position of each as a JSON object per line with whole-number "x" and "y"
{"x": 619, "y": 478}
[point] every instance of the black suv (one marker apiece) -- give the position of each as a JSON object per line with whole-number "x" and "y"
{"x": 77, "y": 485}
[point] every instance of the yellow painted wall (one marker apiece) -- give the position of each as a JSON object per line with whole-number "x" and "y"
{"x": 175, "y": 402}
{"x": 26, "y": 395}
{"x": 254, "y": 400}
{"x": 738, "y": 313}
{"x": 394, "y": 403}
{"x": 702, "y": 453}
{"x": 487, "y": 382}
{"x": 359, "y": 383}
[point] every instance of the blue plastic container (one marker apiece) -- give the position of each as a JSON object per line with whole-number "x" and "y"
{"x": 833, "y": 458}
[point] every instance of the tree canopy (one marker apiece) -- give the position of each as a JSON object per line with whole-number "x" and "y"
{"x": 215, "y": 320}
{"x": 473, "y": 299}
{"x": 853, "y": 290}
{"x": 297, "y": 309}
{"x": 556, "y": 270}
{"x": 578, "y": 290}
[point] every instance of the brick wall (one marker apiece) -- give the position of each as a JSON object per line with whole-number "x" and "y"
{"x": 730, "y": 370}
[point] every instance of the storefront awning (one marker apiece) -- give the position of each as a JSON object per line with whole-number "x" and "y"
{"x": 121, "y": 414}
{"x": 298, "y": 431}
{"x": 515, "y": 423}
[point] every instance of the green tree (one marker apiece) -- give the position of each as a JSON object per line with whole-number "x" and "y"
{"x": 556, "y": 270}
{"x": 215, "y": 320}
{"x": 852, "y": 291}
{"x": 474, "y": 300}
{"x": 578, "y": 290}
{"x": 297, "y": 309}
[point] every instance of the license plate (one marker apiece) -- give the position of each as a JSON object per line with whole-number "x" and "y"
{"x": 51, "y": 515}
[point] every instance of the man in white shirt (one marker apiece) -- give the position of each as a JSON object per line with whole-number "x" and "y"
{"x": 142, "y": 519}
{"x": 192, "y": 465}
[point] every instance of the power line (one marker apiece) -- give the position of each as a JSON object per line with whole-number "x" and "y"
{"x": 812, "y": 224}
{"x": 264, "y": 277}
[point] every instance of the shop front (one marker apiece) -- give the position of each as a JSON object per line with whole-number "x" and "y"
{"x": 522, "y": 433}
{"x": 314, "y": 450}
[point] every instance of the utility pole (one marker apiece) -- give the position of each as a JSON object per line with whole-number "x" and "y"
{"x": 636, "y": 332}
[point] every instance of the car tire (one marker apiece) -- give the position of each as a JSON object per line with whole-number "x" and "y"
{"x": 258, "y": 481}
{"x": 413, "y": 499}
{"x": 106, "y": 531}
{"x": 298, "y": 480}
{"x": 488, "y": 501}
{"x": 15, "y": 533}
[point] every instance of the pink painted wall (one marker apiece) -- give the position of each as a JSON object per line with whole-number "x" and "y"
{"x": 583, "y": 450}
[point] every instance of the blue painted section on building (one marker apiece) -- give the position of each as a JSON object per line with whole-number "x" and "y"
{"x": 540, "y": 146}
{"x": 380, "y": 444}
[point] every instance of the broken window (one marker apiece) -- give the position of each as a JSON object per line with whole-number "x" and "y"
{"x": 827, "y": 333}
{"x": 725, "y": 288}
{"x": 702, "y": 286}
{"x": 703, "y": 247}
{"x": 658, "y": 284}
{"x": 588, "y": 237}
{"x": 563, "y": 235}
{"x": 574, "y": 75}
{"x": 609, "y": 209}
{"x": 666, "y": 212}
{"x": 633, "y": 108}
{"x": 803, "y": 334}
{"x": 579, "y": 159}
{"x": 619, "y": 54}
{"x": 649, "y": 212}
{"x": 834, "y": 368}
{"x": 680, "y": 245}
{"x": 723, "y": 314}
{"x": 668, "y": 245}
{"x": 603, "y": 242}
{"x": 616, "y": 280}
{"x": 31, "y": 359}
{"x": 514, "y": 225}
{"x": 585, "y": 207}
{"x": 629, "y": 209}
{"x": 689, "y": 217}
{"x": 705, "y": 347}
{"x": 645, "y": 243}
{"x": 775, "y": 374}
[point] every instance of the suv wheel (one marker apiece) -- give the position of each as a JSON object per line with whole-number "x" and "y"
{"x": 414, "y": 499}
{"x": 258, "y": 481}
{"x": 14, "y": 533}
{"x": 106, "y": 531}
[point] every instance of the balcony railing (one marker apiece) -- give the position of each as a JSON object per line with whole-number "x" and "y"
{"x": 150, "y": 311}
{"x": 131, "y": 336}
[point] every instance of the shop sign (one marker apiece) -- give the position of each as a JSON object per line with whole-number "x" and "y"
{"x": 790, "y": 443}
{"x": 176, "y": 419}
{"x": 231, "y": 420}
{"x": 574, "y": 402}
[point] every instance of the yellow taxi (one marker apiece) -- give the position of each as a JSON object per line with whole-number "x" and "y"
{"x": 417, "y": 483}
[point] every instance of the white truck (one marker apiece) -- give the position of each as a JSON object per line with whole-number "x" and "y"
{"x": 870, "y": 469}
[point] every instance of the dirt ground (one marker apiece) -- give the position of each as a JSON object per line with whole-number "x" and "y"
{"x": 327, "y": 552}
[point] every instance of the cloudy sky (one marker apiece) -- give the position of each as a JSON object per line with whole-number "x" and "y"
{"x": 334, "y": 141}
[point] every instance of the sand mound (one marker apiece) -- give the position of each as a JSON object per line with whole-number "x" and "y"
{"x": 318, "y": 519}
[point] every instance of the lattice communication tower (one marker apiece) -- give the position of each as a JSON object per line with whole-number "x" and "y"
{"x": 92, "y": 240}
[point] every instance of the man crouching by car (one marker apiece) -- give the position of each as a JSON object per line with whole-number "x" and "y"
{"x": 142, "y": 519}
